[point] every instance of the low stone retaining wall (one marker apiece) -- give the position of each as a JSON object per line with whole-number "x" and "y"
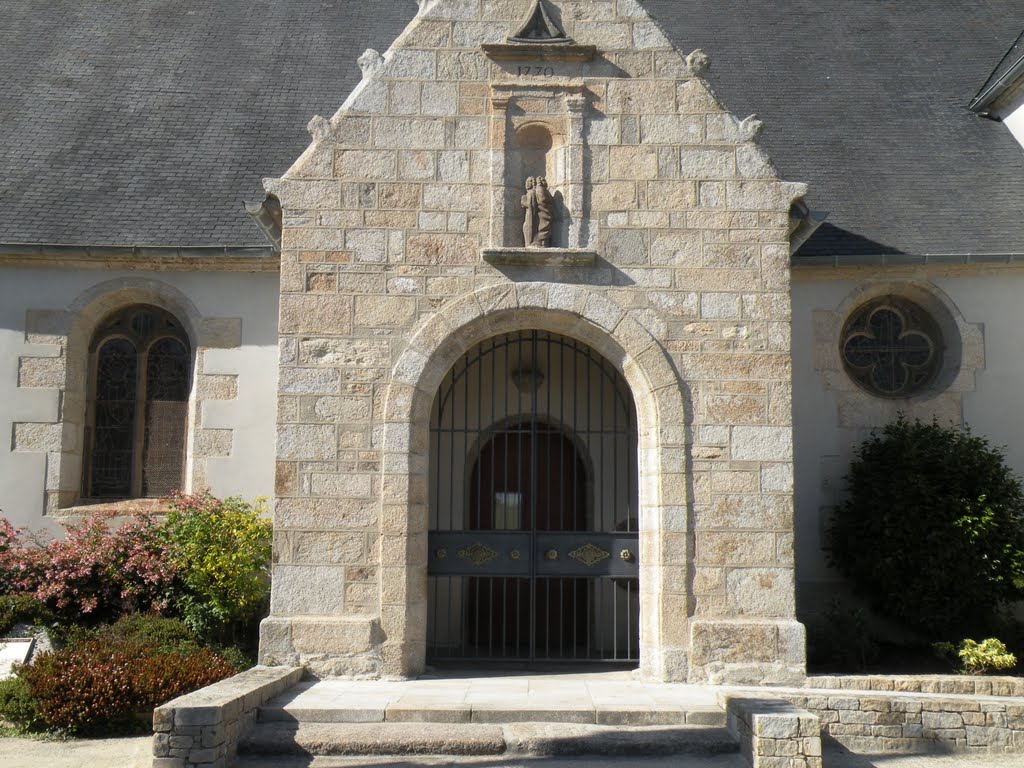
{"x": 202, "y": 729}
{"x": 773, "y": 733}
{"x": 878, "y": 713}
{"x": 872, "y": 721}
{"x": 957, "y": 684}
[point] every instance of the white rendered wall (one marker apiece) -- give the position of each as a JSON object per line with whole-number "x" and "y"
{"x": 1010, "y": 109}
{"x": 1014, "y": 120}
{"x": 248, "y": 470}
{"x": 823, "y": 449}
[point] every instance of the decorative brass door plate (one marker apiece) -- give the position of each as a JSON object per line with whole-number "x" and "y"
{"x": 589, "y": 555}
{"x": 477, "y": 554}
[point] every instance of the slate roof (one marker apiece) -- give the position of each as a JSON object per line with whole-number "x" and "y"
{"x": 147, "y": 122}
{"x": 992, "y": 88}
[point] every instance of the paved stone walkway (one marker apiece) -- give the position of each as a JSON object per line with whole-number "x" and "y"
{"x": 584, "y": 697}
{"x": 135, "y": 752}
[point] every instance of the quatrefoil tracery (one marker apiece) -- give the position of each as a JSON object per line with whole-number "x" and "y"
{"x": 891, "y": 347}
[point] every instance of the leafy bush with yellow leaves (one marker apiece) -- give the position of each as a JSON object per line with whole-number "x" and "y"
{"x": 989, "y": 654}
{"x": 221, "y": 550}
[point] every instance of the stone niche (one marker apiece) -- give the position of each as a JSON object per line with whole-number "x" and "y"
{"x": 537, "y": 130}
{"x": 537, "y": 150}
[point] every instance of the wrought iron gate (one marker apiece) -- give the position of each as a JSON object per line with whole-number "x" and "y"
{"x": 533, "y": 535}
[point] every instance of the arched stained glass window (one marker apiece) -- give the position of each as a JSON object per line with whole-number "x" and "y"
{"x": 892, "y": 347}
{"x": 138, "y": 408}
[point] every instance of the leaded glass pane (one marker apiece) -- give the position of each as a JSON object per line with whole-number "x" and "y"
{"x": 140, "y": 405}
{"x": 167, "y": 377}
{"x": 892, "y": 347}
{"x": 114, "y": 428}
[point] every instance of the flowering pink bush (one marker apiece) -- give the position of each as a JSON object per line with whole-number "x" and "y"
{"x": 207, "y": 562}
{"x": 93, "y": 574}
{"x": 10, "y": 540}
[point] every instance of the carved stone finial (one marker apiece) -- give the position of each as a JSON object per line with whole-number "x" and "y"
{"x": 540, "y": 26}
{"x": 749, "y": 128}
{"x": 370, "y": 61}
{"x": 319, "y": 127}
{"x": 698, "y": 63}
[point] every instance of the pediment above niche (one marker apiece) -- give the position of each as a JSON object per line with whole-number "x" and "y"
{"x": 540, "y": 37}
{"x": 540, "y": 26}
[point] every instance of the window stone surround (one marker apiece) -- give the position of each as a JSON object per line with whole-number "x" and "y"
{"x": 59, "y": 362}
{"x": 943, "y": 398}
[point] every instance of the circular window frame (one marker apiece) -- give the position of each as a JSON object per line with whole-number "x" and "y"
{"x": 914, "y": 320}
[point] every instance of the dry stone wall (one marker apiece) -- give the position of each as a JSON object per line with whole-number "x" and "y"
{"x": 203, "y": 729}
{"x": 773, "y": 733}
{"x": 385, "y": 220}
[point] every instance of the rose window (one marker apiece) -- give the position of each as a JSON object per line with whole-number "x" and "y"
{"x": 892, "y": 347}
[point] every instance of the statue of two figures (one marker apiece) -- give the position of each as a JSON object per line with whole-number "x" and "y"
{"x": 540, "y": 213}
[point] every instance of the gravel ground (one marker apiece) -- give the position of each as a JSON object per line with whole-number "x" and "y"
{"x": 136, "y": 753}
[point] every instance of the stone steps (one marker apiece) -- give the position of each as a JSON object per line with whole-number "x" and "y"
{"x": 733, "y": 760}
{"x": 406, "y": 711}
{"x": 557, "y": 717}
{"x": 467, "y": 739}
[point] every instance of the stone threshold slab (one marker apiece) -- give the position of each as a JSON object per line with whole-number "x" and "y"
{"x": 531, "y": 761}
{"x": 613, "y": 698}
{"x": 456, "y": 713}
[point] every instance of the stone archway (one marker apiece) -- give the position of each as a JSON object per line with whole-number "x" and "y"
{"x": 665, "y": 539}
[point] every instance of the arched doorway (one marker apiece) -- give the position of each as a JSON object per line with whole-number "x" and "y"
{"x": 533, "y": 551}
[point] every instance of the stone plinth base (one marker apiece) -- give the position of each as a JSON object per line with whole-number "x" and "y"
{"x": 328, "y": 646}
{"x": 747, "y": 651}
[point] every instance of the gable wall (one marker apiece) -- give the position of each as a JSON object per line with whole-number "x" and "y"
{"x": 385, "y": 219}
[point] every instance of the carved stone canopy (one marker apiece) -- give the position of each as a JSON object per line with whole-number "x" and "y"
{"x": 540, "y": 27}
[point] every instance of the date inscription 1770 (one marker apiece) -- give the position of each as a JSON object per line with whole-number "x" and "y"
{"x": 526, "y": 69}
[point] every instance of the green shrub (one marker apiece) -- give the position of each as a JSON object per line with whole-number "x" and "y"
{"x": 97, "y": 687}
{"x": 150, "y": 629}
{"x": 932, "y": 532}
{"x": 842, "y": 640}
{"x": 136, "y": 628}
{"x": 23, "y": 609}
{"x": 16, "y": 704}
{"x": 236, "y": 657}
{"x": 221, "y": 551}
{"x": 979, "y": 658}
